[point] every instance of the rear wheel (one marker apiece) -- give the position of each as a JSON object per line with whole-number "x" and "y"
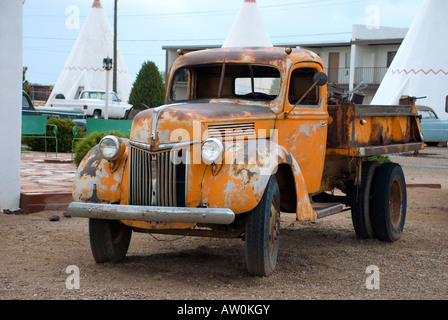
{"x": 389, "y": 202}
{"x": 109, "y": 240}
{"x": 361, "y": 202}
{"x": 262, "y": 232}
{"x": 96, "y": 114}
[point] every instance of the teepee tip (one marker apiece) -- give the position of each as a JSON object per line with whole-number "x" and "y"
{"x": 97, "y": 4}
{"x": 248, "y": 29}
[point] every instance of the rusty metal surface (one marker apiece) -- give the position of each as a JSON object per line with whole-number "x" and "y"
{"x": 99, "y": 180}
{"x": 181, "y": 120}
{"x": 360, "y": 131}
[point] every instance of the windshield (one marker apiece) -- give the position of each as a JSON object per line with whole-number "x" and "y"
{"x": 427, "y": 114}
{"x": 231, "y": 81}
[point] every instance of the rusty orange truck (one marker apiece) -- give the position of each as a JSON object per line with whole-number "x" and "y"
{"x": 246, "y": 134}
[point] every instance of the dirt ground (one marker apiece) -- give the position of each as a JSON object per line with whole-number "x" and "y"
{"x": 317, "y": 260}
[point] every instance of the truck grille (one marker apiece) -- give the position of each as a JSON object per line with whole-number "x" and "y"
{"x": 231, "y": 130}
{"x": 154, "y": 180}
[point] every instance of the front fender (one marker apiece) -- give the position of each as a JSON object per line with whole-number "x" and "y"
{"x": 100, "y": 181}
{"x": 239, "y": 184}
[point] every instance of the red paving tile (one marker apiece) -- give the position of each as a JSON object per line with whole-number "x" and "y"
{"x": 42, "y": 174}
{"x": 46, "y": 181}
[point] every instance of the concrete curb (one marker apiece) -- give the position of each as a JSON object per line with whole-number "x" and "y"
{"x": 36, "y": 202}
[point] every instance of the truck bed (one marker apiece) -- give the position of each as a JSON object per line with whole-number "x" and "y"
{"x": 368, "y": 130}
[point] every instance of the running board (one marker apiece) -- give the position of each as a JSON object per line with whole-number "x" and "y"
{"x": 323, "y": 210}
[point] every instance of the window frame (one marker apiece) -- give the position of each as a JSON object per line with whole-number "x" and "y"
{"x": 288, "y": 105}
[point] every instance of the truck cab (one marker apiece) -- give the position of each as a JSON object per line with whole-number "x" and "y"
{"x": 246, "y": 134}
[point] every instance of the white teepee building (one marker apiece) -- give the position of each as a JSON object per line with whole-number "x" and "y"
{"x": 249, "y": 29}
{"x": 84, "y": 67}
{"x": 420, "y": 67}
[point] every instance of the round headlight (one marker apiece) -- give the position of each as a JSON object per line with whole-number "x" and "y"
{"x": 111, "y": 148}
{"x": 212, "y": 150}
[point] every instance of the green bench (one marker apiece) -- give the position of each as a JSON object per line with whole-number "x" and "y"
{"x": 108, "y": 125}
{"x": 36, "y": 127}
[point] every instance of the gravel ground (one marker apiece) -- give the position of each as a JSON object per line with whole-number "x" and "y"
{"x": 317, "y": 260}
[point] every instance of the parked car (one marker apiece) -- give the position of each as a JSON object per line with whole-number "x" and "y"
{"x": 29, "y": 109}
{"x": 434, "y": 129}
{"x": 93, "y": 104}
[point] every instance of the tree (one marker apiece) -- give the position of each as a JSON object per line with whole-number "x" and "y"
{"x": 148, "y": 88}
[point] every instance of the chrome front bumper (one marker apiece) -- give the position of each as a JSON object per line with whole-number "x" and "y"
{"x": 151, "y": 214}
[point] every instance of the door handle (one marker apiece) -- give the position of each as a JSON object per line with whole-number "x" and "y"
{"x": 323, "y": 124}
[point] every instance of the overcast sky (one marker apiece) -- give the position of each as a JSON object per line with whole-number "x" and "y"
{"x": 147, "y": 25}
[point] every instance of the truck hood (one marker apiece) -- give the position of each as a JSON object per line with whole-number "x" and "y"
{"x": 189, "y": 121}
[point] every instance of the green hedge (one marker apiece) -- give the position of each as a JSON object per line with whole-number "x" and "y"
{"x": 148, "y": 88}
{"x": 82, "y": 147}
{"x": 65, "y": 136}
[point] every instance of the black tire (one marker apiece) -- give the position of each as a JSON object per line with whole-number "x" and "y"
{"x": 432, "y": 144}
{"x": 96, "y": 114}
{"x": 361, "y": 202}
{"x": 389, "y": 202}
{"x": 109, "y": 240}
{"x": 262, "y": 230}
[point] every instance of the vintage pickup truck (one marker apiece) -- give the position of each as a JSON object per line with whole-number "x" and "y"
{"x": 93, "y": 104}
{"x": 246, "y": 134}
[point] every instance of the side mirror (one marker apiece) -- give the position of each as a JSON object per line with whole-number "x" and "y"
{"x": 446, "y": 104}
{"x": 321, "y": 79}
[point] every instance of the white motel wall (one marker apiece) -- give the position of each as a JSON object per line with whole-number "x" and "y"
{"x": 10, "y": 102}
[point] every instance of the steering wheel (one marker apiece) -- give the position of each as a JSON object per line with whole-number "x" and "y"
{"x": 258, "y": 95}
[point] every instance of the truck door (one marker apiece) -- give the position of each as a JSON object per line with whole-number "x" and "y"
{"x": 303, "y": 131}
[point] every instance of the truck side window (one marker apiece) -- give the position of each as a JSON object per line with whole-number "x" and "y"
{"x": 301, "y": 81}
{"x": 180, "y": 85}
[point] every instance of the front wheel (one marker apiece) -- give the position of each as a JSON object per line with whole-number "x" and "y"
{"x": 109, "y": 240}
{"x": 389, "y": 202}
{"x": 262, "y": 232}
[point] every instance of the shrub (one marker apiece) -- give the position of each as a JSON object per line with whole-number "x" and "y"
{"x": 148, "y": 88}
{"x": 64, "y": 134}
{"x": 85, "y": 145}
